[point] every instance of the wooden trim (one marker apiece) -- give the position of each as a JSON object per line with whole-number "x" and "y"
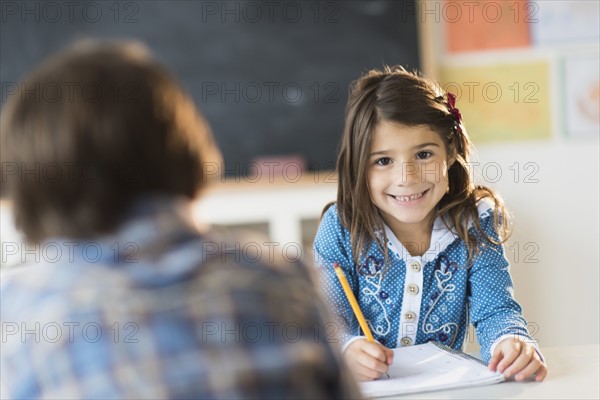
{"x": 243, "y": 184}
{"x": 428, "y": 43}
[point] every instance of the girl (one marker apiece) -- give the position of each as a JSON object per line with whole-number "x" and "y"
{"x": 421, "y": 245}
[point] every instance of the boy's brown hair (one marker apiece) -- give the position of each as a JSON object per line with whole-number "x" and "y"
{"x": 91, "y": 130}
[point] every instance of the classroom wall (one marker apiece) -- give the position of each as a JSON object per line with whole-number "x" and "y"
{"x": 543, "y": 56}
{"x": 554, "y": 248}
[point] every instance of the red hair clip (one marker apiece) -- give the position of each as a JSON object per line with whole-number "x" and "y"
{"x": 456, "y": 115}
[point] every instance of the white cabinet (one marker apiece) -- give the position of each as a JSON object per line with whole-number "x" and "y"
{"x": 282, "y": 206}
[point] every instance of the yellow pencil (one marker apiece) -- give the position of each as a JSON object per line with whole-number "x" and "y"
{"x": 359, "y": 315}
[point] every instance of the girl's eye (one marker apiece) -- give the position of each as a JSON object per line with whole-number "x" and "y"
{"x": 423, "y": 155}
{"x": 383, "y": 161}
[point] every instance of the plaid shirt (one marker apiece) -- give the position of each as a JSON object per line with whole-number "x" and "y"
{"x": 160, "y": 311}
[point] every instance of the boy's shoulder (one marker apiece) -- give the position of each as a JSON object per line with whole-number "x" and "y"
{"x": 247, "y": 261}
{"x": 247, "y": 248}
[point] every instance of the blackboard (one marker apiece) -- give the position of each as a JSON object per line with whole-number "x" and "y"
{"x": 271, "y": 77}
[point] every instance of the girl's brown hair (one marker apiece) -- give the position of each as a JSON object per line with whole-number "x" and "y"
{"x": 397, "y": 95}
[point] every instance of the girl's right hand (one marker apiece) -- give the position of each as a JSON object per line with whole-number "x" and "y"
{"x": 368, "y": 361}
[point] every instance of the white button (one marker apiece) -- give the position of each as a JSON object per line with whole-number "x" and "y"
{"x": 415, "y": 266}
{"x": 412, "y": 289}
{"x": 410, "y": 316}
{"x": 406, "y": 341}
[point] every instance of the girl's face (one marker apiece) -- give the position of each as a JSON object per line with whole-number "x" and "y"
{"x": 407, "y": 175}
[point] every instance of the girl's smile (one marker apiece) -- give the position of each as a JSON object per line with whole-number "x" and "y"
{"x": 407, "y": 177}
{"x": 410, "y": 199}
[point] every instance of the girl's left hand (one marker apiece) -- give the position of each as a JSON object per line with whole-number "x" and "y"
{"x": 515, "y": 357}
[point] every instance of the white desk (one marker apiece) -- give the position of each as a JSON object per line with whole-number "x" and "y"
{"x": 573, "y": 374}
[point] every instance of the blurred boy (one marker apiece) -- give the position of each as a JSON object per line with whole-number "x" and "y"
{"x": 104, "y": 153}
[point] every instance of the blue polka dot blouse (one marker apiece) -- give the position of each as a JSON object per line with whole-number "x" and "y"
{"x": 417, "y": 299}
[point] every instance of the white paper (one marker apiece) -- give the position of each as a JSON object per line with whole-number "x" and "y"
{"x": 426, "y": 367}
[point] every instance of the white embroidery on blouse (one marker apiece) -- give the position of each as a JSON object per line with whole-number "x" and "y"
{"x": 381, "y": 324}
{"x": 441, "y": 276}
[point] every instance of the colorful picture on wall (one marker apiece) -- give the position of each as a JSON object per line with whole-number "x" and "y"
{"x": 502, "y": 102}
{"x": 582, "y": 95}
{"x": 484, "y": 25}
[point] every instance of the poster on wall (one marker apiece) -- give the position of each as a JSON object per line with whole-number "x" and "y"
{"x": 502, "y": 102}
{"x": 582, "y": 95}
{"x": 565, "y": 22}
{"x": 484, "y": 25}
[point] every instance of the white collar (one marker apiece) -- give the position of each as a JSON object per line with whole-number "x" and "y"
{"x": 441, "y": 235}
